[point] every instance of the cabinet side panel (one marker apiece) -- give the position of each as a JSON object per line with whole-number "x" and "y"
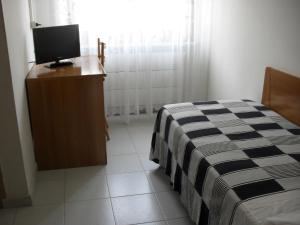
{"x": 67, "y": 117}
{"x": 47, "y": 121}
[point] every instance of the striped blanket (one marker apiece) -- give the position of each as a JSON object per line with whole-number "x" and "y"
{"x": 232, "y": 162}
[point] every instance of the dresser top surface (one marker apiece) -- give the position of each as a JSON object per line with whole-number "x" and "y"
{"x": 82, "y": 66}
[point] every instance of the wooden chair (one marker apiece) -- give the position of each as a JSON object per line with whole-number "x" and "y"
{"x": 101, "y": 56}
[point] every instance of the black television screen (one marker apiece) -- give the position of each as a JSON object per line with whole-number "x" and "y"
{"x": 56, "y": 43}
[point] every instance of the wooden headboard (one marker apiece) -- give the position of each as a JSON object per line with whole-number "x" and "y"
{"x": 282, "y": 94}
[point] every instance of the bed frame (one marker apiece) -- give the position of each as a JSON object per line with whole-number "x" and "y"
{"x": 281, "y": 93}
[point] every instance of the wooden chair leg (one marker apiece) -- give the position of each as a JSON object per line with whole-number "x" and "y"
{"x": 106, "y": 130}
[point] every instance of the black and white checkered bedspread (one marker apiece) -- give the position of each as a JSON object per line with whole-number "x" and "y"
{"x": 232, "y": 162}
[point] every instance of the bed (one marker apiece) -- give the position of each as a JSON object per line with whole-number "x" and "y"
{"x": 235, "y": 162}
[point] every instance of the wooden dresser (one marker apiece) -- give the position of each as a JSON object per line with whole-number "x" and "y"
{"x": 67, "y": 116}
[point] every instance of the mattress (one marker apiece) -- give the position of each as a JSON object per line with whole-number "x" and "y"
{"x": 232, "y": 162}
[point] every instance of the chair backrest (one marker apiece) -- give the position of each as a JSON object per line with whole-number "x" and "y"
{"x": 101, "y": 55}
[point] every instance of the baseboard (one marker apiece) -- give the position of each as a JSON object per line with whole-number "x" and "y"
{"x": 17, "y": 202}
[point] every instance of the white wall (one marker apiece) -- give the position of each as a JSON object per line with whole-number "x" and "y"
{"x": 10, "y": 155}
{"x": 20, "y": 51}
{"x": 247, "y": 36}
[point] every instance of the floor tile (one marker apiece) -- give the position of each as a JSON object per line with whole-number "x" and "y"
{"x": 93, "y": 212}
{"x": 142, "y": 143}
{"x": 155, "y": 223}
{"x": 40, "y": 215}
{"x": 147, "y": 123}
{"x": 114, "y": 124}
{"x": 86, "y": 188}
{"x": 159, "y": 180}
{"x": 7, "y": 216}
{"x": 147, "y": 163}
{"x": 123, "y": 164}
{"x": 141, "y": 136}
{"x": 136, "y": 209}
{"x": 128, "y": 184}
{"x": 131, "y": 177}
{"x": 120, "y": 143}
{"x": 171, "y": 205}
{"x": 88, "y": 171}
{"x": 51, "y": 175}
{"x": 49, "y": 192}
{"x": 181, "y": 221}
{"x": 146, "y": 131}
{"x": 143, "y": 150}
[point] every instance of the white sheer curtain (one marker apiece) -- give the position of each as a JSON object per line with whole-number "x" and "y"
{"x": 157, "y": 50}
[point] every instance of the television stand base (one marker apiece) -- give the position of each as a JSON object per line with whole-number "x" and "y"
{"x": 59, "y": 64}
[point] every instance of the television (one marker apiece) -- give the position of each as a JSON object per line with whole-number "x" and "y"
{"x": 52, "y": 44}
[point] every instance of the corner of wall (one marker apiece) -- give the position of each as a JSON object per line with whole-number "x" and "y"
{"x": 16, "y": 151}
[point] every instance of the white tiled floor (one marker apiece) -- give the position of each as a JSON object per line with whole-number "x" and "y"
{"x": 130, "y": 190}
